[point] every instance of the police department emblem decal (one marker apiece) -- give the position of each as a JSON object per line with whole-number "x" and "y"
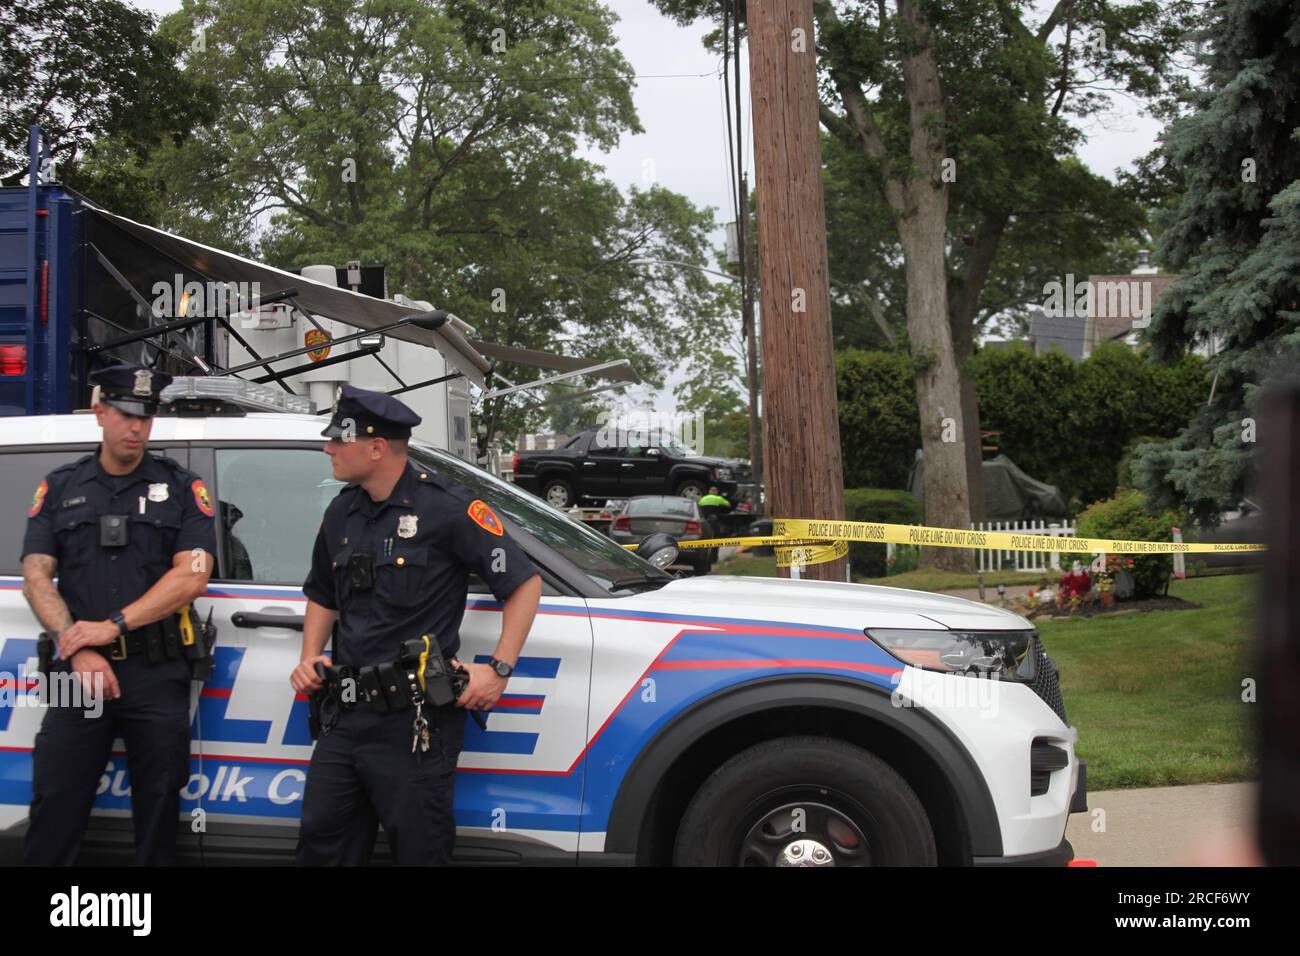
{"x": 406, "y": 525}
{"x": 158, "y": 492}
{"x": 201, "y": 497}
{"x": 485, "y": 517}
{"x": 144, "y": 383}
{"x": 38, "y": 499}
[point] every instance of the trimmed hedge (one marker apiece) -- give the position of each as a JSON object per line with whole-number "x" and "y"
{"x": 877, "y": 504}
{"x": 880, "y": 428}
{"x": 1063, "y": 422}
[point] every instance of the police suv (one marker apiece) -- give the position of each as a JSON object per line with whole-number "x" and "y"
{"x": 650, "y": 720}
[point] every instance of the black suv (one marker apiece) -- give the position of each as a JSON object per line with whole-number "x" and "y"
{"x": 590, "y": 466}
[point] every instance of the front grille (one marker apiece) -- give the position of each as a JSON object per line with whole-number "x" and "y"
{"x": 1047, "y": 681}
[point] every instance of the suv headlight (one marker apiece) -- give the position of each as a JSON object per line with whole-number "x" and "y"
{"x": 722, "y": 473}
{"x": 997, "y": 654}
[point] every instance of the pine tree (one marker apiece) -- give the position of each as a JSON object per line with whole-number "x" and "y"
{"x": 1235, "y": 241}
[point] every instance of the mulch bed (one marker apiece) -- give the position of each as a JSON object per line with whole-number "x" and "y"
{"x": 1094, "y": 609}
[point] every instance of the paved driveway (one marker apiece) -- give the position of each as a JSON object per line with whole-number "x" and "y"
{"x": 1162, "y": 826}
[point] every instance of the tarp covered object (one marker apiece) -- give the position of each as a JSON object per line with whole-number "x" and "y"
{"x": 1009, "y": 493}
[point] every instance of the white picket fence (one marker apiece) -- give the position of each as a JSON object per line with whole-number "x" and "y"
{"x": 1041, "y": 561}
{"x": 1022, "y": 560}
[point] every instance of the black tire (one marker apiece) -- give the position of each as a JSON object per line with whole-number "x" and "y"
{"x": 692, "y": 488}
{"x": 556, "y": 486}
{"x": 854, "y": 805}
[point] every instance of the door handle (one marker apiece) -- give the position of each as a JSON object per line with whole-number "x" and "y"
{"x": 293, "y": 622}
{"x": 588, "y": 464}
{"x": 628, "y": 464}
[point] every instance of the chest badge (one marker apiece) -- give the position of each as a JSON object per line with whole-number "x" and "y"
{"x": 158, "y": 492}
{"x": 407, "y": 525}
{"x": 485, "y": 517}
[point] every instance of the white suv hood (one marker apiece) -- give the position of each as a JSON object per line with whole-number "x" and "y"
{"x": 833, "y": 603}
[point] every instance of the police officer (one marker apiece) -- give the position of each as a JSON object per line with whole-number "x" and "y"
{"x": 130, "y": 537}
{"x": 391, "y": 564}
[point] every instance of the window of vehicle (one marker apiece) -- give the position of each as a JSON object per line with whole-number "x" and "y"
{"x": 600, "y": 558}
{"x": 674, "y": 446}
{"x": 269, "y": 507}
{"x": 661, "y": 505}
{"x": 23, "y": 471}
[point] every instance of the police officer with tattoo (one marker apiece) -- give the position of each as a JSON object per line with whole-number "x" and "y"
{"x": 389, "y": 579}
{"x": 130, "y": 537}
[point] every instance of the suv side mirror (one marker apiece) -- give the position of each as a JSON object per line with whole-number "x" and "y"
{"x": 652, "y": 452}
{"x": 660, "y": 549}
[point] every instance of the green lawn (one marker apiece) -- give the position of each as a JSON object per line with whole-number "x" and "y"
{"x": 1157, "y": 695}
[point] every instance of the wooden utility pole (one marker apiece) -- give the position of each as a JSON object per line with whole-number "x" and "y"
{"x": 800, "y": 416}
{"x": 749, "y": 333}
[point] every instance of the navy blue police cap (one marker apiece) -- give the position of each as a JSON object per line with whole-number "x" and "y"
{"x": 361, "y": 413}
{"x": 133, "y": 389}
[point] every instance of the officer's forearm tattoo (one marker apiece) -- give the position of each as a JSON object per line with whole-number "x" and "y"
{"x": 41, "y": 594}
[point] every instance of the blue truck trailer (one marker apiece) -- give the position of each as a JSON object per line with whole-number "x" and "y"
{"x": 69, "y": 289}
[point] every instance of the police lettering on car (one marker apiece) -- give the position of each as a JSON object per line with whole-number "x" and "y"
{"x": 130, "y": 537}
{"x": 389, "y": 575}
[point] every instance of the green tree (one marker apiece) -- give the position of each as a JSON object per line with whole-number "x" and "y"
{"x": 714, "y": 348}
{"x": 86, "y": 73}
{"x": 1234, "y": 239}
{"x": 443, "y": 141}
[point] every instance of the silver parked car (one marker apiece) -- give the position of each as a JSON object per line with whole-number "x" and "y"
{"x": 679, "y": 517}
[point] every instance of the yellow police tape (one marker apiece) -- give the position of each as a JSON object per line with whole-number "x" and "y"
{"x": 801, "y": 542}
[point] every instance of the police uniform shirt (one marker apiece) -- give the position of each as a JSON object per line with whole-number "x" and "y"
{"x": 425, "y": 539}
{"x": 167, "y": 510}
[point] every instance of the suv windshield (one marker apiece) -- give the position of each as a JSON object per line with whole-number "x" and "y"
{"x": 600, "y": 558}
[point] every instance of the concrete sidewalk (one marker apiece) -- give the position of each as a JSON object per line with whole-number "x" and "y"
{"x": 1161, "y": 826}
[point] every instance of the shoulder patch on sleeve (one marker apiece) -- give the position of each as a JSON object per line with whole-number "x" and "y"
{"x": 38, "y": 499}
{"x": 201, "y": 497}
{"x": 485, "y": 517}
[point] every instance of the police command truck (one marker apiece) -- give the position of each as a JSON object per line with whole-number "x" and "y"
{"x": 651, "y": 719}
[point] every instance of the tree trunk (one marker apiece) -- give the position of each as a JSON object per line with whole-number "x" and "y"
{"x": 800, "y": 415}
{"x": 964, "y": 308}
{"x": 923, "y": 230}
{"x": 938, "y": 386}
{"x": 963, "y": 347}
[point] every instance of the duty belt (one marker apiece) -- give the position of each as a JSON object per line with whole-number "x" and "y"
{"x": 153, "y": 641}
{"x": 420, "y": 677}
{"x": 179, "y": 635}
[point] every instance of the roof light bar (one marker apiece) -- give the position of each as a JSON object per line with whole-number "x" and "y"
{"x": 236, "y": 391}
